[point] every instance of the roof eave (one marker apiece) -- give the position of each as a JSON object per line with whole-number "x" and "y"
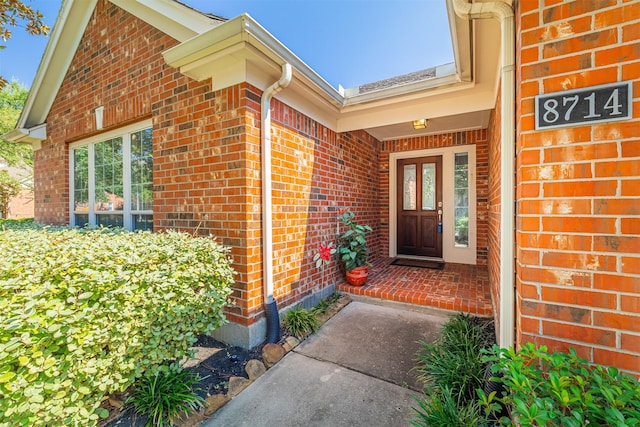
{"x": 175, "y": 19}
{"x": 61, "y": 47}
{"x": 33, "y": 136}
{"x": 244, "y": 38}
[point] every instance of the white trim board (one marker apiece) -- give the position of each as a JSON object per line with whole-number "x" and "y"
{"x": 450, "y": 252}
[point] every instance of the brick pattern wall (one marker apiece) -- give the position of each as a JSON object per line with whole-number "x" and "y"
{"x": 315, "y": 172}
{"x": 478, "y": 137}
{"x": 494, "y": 206}
{"x": 206, "y": 148}
{"x": 117, "y": 65}
{"x": 578, "y": 240}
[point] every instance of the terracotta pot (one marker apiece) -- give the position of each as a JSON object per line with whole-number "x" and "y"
{"x": 358, "y": 276}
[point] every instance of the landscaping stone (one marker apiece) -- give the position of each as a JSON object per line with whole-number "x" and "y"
{"x": 201, "y": 354}
{"x": 255, "y": 369}
{"x": 213, "y": 403}
{"x": 192, "y": 419}
{"x": 236, "y": 385}
{"x": 271, "y": 354}
{"x": 115, "y": 401}
{"x": 290, "y": 343}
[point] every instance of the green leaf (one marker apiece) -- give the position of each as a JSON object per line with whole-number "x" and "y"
{"x": 6, "y": 377}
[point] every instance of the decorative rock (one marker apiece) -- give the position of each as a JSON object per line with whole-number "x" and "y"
{"x": 236, "y": 385}
{"x": 213, "y": 403}
{"x": 271, "y": 354}
{"x": 255, "y": 369}
{"x": 201, "y": 354}
{"x": 115, "y": 402}
{"x": 192, "y": 419}
{"x": 290, "y": 343}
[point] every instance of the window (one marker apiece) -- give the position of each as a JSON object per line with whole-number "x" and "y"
{"x": 112, "y": 179}
{"x": 461, "y": 199}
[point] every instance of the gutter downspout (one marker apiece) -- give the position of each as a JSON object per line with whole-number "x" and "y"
{"x": 270, "y": 307}
{"x": 504, "y": 13}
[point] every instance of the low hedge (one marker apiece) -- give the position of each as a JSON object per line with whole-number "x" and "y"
{"x": 83, "y": 313}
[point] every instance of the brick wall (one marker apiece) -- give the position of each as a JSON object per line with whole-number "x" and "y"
{"x": 480, "y": 139}
{"x": 21, "y": 206}
{"x": 315, "y": 172}
{"x": 578, "y": 240}
{"x": 494, "y": 206}
{"x": 117, "y": 65}
{"x": 206, "y": 148}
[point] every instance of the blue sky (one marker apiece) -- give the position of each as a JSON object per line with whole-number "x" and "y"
{"x": 347, "y": 42}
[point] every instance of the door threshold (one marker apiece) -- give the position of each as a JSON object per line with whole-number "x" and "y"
{"x": 420, "y": 258}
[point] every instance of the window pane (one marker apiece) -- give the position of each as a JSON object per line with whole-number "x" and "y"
{"x": 143, "y": 222}
{"x": 461, "y": 199}
{"x": 110, "y": 220}
{"x": 108, "y": 176}
{"x": 81, "y": 179}
{"x": 409, "y": 187}
{"x": 141, "y": 171}
{"x": 429, "y": 186}
{"x": 81, "y": 220}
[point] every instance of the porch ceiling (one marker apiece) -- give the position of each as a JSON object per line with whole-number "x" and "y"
{"x": 445, "y": 124}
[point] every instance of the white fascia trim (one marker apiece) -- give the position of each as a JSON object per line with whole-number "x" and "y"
{"x": 243, "y": 30}
{"x": 61, "y": 48}
{"x": 33, "y": 136}
{"x": 171, "y": 17}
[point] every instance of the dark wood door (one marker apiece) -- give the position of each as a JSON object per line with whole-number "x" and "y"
{"x": 419, "y": 206}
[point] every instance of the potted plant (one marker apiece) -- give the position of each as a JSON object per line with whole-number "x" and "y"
{"x": 352, "y": 249}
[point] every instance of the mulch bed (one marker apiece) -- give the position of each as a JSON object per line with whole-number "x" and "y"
{"x": 215, "y": 372}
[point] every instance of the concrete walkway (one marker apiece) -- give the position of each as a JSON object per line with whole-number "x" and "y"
{"x": 355, "y": 371}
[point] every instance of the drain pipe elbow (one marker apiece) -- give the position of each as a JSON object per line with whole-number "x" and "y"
{"x": 270, "y": 307}
{"x": 504, "y": 13}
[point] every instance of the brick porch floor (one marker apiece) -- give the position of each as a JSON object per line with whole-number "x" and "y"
{"x": 456, "y": 287}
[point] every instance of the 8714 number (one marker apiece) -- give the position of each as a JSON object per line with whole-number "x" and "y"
{"x": 594, "y": 104}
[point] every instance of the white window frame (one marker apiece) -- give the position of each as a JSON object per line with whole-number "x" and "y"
{"x": 450, "y": 252}
{"x": 124, "y": 133}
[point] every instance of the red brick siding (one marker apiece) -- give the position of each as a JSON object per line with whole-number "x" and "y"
{"x": 316, "y": 171}
{"x": 480, "y": 139}
{"x": 117, "y": 65}
{"x": 494, "y": 205}
{"x": 578, "y": 236}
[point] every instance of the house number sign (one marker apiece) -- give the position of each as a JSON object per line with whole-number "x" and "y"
{"x": 603, "y": 103}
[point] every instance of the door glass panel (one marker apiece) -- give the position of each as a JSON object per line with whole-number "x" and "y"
{"x": 409, "y": 188}
{"x": 428, "y": 186}
{"x": 461, "y": 200}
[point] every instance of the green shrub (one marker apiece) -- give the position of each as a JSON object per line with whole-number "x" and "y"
{"x": 442, "y": 408}
{"x": 323, "y": 306}
{"x": 6, "y": 224}
{"x": 164, "y": 395}
{"x": 454, "y": 360}
{"x": 562, "y": 389}
{"x": 83, "y": 313}
{"x": 300, "y": 321}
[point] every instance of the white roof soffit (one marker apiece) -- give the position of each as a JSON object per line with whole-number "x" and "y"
{"x": 209, "y": 55}
{"x": 179, "y": 21}
{"x": 62, "y": 45}
{"x": 462, "y": 43}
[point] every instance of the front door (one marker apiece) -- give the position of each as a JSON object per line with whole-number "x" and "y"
{"x": 419, "y": 206}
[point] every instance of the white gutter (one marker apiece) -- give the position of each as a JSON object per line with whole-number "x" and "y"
{"x": 267, "y": 216}
{"x": 504, "y": 13}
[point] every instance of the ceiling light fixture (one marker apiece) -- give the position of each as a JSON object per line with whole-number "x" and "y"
{"x": 420, "y": 124}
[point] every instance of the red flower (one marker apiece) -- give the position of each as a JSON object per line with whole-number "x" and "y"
{"x": 325, "y": 252}
{"x": 323, "y": 256}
